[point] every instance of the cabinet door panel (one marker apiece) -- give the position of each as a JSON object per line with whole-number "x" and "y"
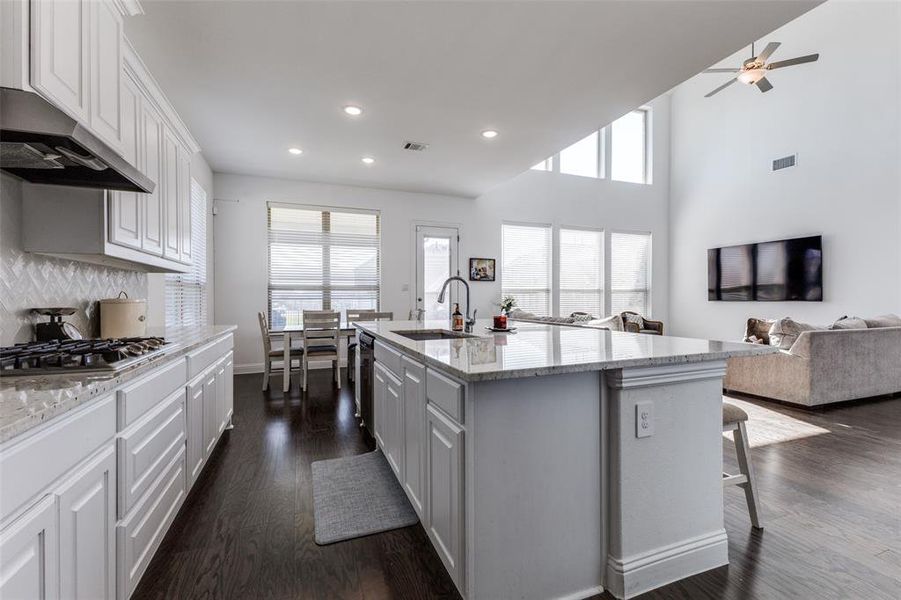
{"x": 125, "y": 208}
{"x": 152, "y": 130}
{"x": 196, "y": 438}
{"x": 59, "y": 54}
{"x": 445, "y": 491}
{"x": 394, "y": 398}
{"x": 87, "y": 512}
{"x": 106, "y": 70}
{"x": 378, "y": 400}
{"x": 210, "y": 413}
{"x": 29, "y": 554}
{"x": 170, "y": 197}
{"x": 221, "y": 408}
{"x": 184, "y": 203}
{"x": 414, "y": 434}
{"x": 229, "y": 388}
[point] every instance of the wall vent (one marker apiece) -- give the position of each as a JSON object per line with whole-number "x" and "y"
{"x": 785, "y": 162}
{"x": 415, "y": 146}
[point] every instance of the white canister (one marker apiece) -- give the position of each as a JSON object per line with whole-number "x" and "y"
{"x": 122, "y": 317}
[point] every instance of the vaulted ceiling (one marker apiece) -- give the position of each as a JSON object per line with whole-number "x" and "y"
{"x": 254, "y": 78}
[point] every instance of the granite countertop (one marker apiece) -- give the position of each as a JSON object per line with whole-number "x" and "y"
{"x": 26, "y": 401}
{"x": 545, "y": 349}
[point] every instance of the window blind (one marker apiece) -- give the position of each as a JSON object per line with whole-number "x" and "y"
{"x": 581, "y": 272}
{"x": 526, "y": 262}
{"x": 186, "y": 293}
{"x": 630, "y": 265}
{"x": 321, "y": 259}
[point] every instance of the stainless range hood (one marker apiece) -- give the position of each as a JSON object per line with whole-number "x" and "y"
{"x": 42, "y": 144}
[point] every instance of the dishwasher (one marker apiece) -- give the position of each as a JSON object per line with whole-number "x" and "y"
{"x": 367, "y": 364}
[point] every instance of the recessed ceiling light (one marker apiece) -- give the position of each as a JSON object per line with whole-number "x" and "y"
{"x": 367, "y": 160}
{"x": 295, "y": 150}
{"x": 489, "y": 134}
{"x": 354, "y": 111}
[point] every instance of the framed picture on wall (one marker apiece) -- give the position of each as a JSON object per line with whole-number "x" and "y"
{"x": 481, "y": 269}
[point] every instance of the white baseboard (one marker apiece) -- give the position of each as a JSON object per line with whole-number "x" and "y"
{"x": 250, "y": 368}
{"x": 592, "y": 591}
{"x": 644, "y": 572}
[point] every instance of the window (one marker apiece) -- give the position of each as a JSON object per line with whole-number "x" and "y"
{"x": 630, "y": 273}
{"x": 629, "y": 147}
{"x": 526, "y": 262}
{"x": 321, "y": 259}
{"x": 581, "y": 272}
{"x": 582, "y": 158}
{"x": 186, "y": 302}
{"x": 546, "y": 165}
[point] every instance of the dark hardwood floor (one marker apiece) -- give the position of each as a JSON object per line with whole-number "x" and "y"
{"x": 830, "y": 485}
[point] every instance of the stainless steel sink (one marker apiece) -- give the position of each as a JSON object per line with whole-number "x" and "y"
{"x": 433, "y": 334}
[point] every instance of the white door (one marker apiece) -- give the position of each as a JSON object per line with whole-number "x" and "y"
{"x": 29, "y": 553}
{"x": 87, "y": 528}
{"x": 436, "y": 260}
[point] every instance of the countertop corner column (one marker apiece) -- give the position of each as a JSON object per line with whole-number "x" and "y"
{"x": 665, "y": 493}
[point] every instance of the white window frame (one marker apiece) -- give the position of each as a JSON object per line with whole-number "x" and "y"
{"x": 555, "y": 272}
{"x": 648, "y": 148}
{"x": 552, "y": 282}
{"x": 608, "y": 271}
{"x": 320, "y": 208}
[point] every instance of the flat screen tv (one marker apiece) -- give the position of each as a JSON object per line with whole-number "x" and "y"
{"x": 784, "y": 270}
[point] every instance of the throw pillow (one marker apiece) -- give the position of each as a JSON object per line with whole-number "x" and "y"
{"x": 518, "y": 313}
{"x": 637, "y": 319}
{"x": 784, "y": 332}
{"x": 759, "y": 329}
{"x": 580, "y": 316}
{"x": 614, "y": 323}
{"x": 847, "y": 322}
{"x": 884, "y": 321}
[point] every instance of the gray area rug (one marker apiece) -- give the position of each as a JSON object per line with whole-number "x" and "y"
{"x": 356, "y": 496}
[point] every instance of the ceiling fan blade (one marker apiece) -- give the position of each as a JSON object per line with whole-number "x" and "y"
{"x": 722, "y": 87}
{"x": 793, "y": 61}
{"x": 721, "y": 70}
{"x": 763, "y": 84}
{"x": 768, "y": 51}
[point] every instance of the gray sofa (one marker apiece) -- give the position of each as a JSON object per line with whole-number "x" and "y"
{"x": 823, "y": 366}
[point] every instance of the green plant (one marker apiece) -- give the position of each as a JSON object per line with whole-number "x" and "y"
{"x": 507, "y": 303}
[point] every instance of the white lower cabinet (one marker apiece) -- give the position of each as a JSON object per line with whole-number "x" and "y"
{"x": 139, "y": 534}
{"x": 87, "y": 528}
{"x": 379, "y": 386}
{"x": 394, "y": 417}
{"x": 445, "y": 490}
{"x": 196, "y": 457}
{"x": 414, "y": 428}
{"x": 29, "y": 553}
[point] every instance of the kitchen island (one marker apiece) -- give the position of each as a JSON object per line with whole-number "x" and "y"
{"x": 556, "y": 462}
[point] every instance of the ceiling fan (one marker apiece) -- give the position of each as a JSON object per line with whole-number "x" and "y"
{"x": 753, "y": 71}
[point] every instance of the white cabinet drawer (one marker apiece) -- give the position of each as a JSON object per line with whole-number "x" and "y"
{"x": 445, "y": 393}
{"x": 53, "y": 450}
{"x": 203, "y": 357}
{"x": 147, "y": 447}
{"x": 139, "y": 535}
{"x": 139, "y": 397}
{"x": 389, "y": 357}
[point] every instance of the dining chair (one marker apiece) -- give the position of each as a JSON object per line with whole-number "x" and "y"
{"x": 353, "y": 315}
{"x": 277, "y": 355}
{"x": 321, "y": 332}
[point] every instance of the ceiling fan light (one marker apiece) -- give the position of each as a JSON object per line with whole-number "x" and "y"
{"x": 751, "y": 76}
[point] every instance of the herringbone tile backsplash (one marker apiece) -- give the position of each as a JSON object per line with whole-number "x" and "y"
{"x": 33, "y": 280}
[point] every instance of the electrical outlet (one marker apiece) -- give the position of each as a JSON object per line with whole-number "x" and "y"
{"x": 644, "y": 419}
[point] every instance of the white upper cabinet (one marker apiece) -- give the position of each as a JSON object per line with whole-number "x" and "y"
{"x": 125, "y": 211}
{"x": 184, "y": 204}
{"x": 152, "y": 134}
{"x": 60, "y": 58}
{"x": 106, "y": 70}
{"x": 170, "y": 197}
{"x": 76, "y": 61}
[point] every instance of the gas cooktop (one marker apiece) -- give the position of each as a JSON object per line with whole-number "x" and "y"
{"x": 67, "y": 356}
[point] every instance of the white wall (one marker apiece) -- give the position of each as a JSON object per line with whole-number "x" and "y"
{"x": 241, "y": 236}
{"x": 841, "y": 115}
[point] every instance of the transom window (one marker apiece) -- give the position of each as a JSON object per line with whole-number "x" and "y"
{"x": 321, "y": 259}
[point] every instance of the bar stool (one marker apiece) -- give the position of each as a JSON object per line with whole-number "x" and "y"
{"x": 354, "y": 314}
{"x": 734, "y": 420}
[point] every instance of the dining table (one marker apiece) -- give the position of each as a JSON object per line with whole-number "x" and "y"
{"x": 347, "y": 330}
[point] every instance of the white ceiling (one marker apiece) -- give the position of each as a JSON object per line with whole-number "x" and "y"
{"x": 253, "y": 78}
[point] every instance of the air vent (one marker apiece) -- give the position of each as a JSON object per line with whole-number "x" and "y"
{"x": 785, "y": 162}
{"x": 415, "y": 146}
